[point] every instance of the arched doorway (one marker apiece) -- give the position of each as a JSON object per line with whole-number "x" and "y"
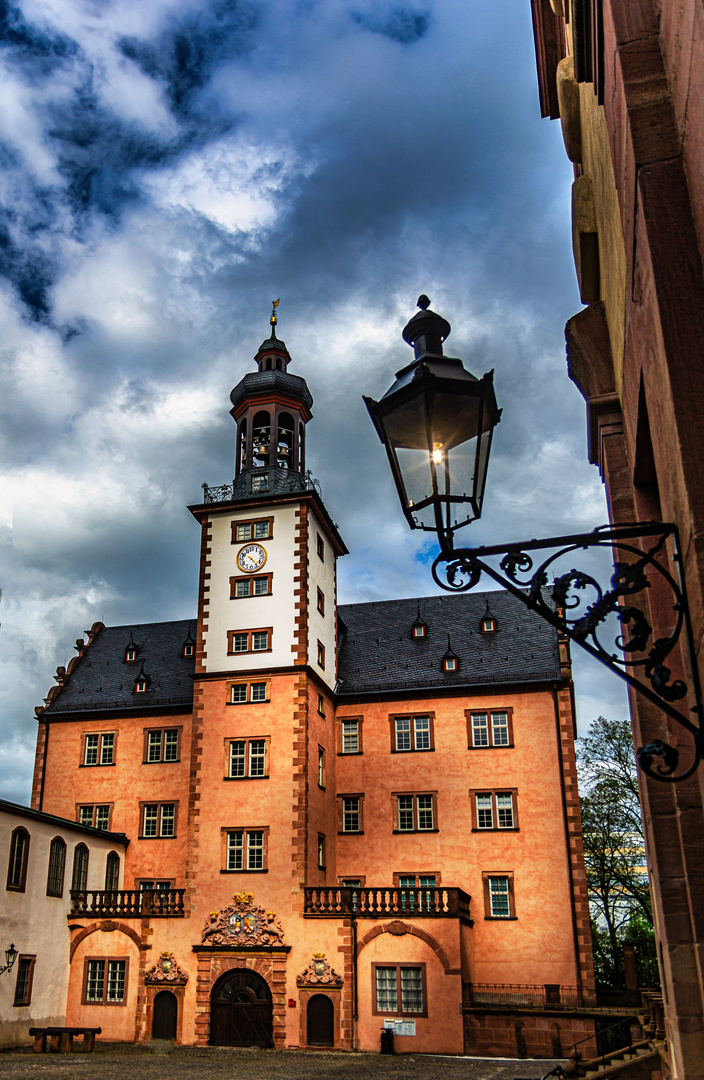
{"x": 165, "y": 1015}
{"x": 240, "y": 1011}
{"x": 321, "y": 1021}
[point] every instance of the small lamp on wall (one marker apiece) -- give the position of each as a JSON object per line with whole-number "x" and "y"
{"x": 10, "y": 957}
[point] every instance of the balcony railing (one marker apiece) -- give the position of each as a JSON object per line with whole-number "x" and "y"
{"x": 528, "y": 996}
{"x": 129, "y": 903}
{"x": 375, "y": 903}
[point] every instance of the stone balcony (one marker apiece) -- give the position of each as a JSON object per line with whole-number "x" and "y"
{"x": 383, "y": 902}
{"x": 128, "y": 904}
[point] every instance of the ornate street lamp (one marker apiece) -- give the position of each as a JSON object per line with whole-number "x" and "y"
{"x": 436, "y": 423}
{"x": 10, "y": 957}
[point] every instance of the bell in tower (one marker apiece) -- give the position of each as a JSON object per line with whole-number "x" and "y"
{"x": 271, "y": 409}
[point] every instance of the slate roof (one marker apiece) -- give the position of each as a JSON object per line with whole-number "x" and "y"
{"x": 378, "y": 654}
{"x": 103, "y": 680}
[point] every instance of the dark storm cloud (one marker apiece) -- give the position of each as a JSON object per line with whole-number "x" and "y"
{"x": 398, "y": 22}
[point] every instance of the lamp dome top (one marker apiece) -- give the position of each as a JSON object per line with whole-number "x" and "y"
{"x": 426, "y": 330}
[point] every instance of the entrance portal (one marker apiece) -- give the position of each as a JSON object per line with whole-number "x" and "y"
{"x": 321, "y": 1021}
{"x": 165, "y": 1015}
{"x": 241, "y": 1012}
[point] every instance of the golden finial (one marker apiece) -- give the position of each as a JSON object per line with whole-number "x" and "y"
{"x": 273, "y": 320}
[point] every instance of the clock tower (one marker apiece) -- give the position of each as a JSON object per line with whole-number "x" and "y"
{"x": 266, "y": 655}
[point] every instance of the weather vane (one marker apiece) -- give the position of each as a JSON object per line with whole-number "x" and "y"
{"x": 273, "y": 320}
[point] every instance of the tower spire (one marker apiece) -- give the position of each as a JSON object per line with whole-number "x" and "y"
{"x": 273, "y": 320}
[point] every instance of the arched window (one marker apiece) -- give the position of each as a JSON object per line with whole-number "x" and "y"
{"x": 284, "y": 441}
{"x": 79, "y": 878}
{"x": 57, "y": 865}
{"x": 112, "y": 872}
{"x": 301, "y": 447}
{"x": 19, "y": 852}
{"x": 261, "y": 438}
{"x": 243, "y": 446}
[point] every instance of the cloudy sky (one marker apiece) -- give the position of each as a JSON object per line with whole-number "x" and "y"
{"x": 168, "y": 169}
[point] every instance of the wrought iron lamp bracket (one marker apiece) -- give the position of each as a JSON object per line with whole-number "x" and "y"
{"x": 634, "y": 655}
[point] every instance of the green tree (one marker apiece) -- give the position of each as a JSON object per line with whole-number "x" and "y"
{"x": 614, "y": 847}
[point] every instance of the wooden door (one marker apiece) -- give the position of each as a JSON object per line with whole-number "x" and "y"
{"x": 321, "y": 1021}
{"x": 165, "y": 1015}
{"x": 241, "y": 1011}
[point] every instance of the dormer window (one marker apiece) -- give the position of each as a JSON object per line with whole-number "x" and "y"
{"x": 188, "y": 649}
{"x": 140, "y": 687}
{"x": 419, "y": 630}
{"x": 130, "y": 655}
{"x": 488, "y": 623}
{"x": 450, "y": 661}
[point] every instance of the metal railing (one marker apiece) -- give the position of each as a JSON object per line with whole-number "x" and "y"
{"x": 380, "y": 902}
{"x": 528, "y": 995}
{"x": 128, "y": 903}
{"x": 262, "y": 481}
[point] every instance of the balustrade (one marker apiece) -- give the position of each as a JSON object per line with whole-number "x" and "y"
{"x": 128, "y": 903}
{"x": 382, "y": 901}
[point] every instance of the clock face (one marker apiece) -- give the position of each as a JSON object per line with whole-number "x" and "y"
{"x": 251, "y": 557}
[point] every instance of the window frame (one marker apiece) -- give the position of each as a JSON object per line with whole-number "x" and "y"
{"x": 321, "y": 767}
{"x": 342, "y": 878}
{"x": 107, "y": 960}
{"x": 321, "y": 705}
{"x": 268, "y": 630}
{"x": 341, "y": 831}
{"x": 320, "y": 655}
{"x": 397, "y": 875}
{"x": 487, "y": 875}
{"x": 162, "y": 730}
{"x": 21, "y": 884}
{"x": 251, "y": 578}
{"x": 415, "y": 795}
{"x": 340, "y": 721}
{"x": 245, "y": 830}
{"x": 321, "y": 851}
{"x": 320, "y": 602}
{"x": 399, "y": 1001}
{"x": 99, "y": 764}
{"x": 249, "y": 683}
{"x": 111, "y": 858}
{"x": 320, "y": 547}
{"x": 247, "y": 740}
{"x": 252, "y": 522}
{"x": 160, "y": 818}
{"x": 167, "y": 882}
{"x": 56, "y": 889}
{"x": 489, "y": 713}
{"x": 493, "y": 792}
{"x": 412, "y": 717}
{"x": 74, "y": 867}
{"x": 94, "y": 808}
{"x": 27, "y": 999}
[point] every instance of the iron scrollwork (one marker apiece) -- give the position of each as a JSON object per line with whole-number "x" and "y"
{"x": 634, "y": 654}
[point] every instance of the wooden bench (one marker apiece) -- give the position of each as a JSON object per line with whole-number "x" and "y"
{"x": 61, "y": 1039}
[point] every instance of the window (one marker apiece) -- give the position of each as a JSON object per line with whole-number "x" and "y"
{"x": 321, "y": 602}
{"x": 158, "y": 820}
{"x": 321, "y": 548}
{"x": 150, "y": 885}
{"x": 57, "y": 865}
{"x": 79, "y": 877}
{"x": 411, "y": 733}
{"x": 130, "y": 654}
{"x": 498, "y": 896}
{"x": 246, "y": 759}
{"x": 321, "y": 654}
{"x": 246, "y": 641}
{"x": 252, "y": 692}
{"x": 99, "y": 748}
{"x": 161, "y": 745}
{"x": 321, "y": 767}
{"x": 494, "y": 809}
{"x": 255, "y": 585}
{"x": 349, "y": 813}
{"x": 488, "y": 624}
{"x": 420, "y": 630}
{"x": 351, "y": 882}
{"x": 321, "y": 852}
{"x": 140, "y": 687}
{"x": 449, "y": 663}
{"x": 245, "y": 850}
{"x": 98, "y": 817}
{"x": 112, "y": 872}
{"x": 257, "y": 529}
{"x": 399, "y": 990}
{"x": 321, "y": 705}
{"x": 189, "y": 649}
{"x": 105, "y": 982}
{"x": 415, "y": 813}
{"x": 350, "y": 735}
{"x": 17, "y": 866}
{"x": 487, "y": 729}
{"x": 417, "y": 900}
{"x": 25, "y": 978}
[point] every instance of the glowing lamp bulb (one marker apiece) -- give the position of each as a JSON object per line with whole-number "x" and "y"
{"x": 437, "y": 453}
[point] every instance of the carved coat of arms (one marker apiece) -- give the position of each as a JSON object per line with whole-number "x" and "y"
{"x": 243, "y": 923}
{"x": 166, "y": 970}
{"x": 319, "y": 973}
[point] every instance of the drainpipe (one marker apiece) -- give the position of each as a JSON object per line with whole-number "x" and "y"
{"x": 355, "y": 1040}
{"x": 46, "y": 750}
{"x": 575, "y": 932}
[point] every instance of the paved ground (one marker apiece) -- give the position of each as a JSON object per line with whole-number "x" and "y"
{"x": 163, "y": 1062}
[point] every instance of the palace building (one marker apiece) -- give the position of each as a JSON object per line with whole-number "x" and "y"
{"x": 333, "y": 820}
